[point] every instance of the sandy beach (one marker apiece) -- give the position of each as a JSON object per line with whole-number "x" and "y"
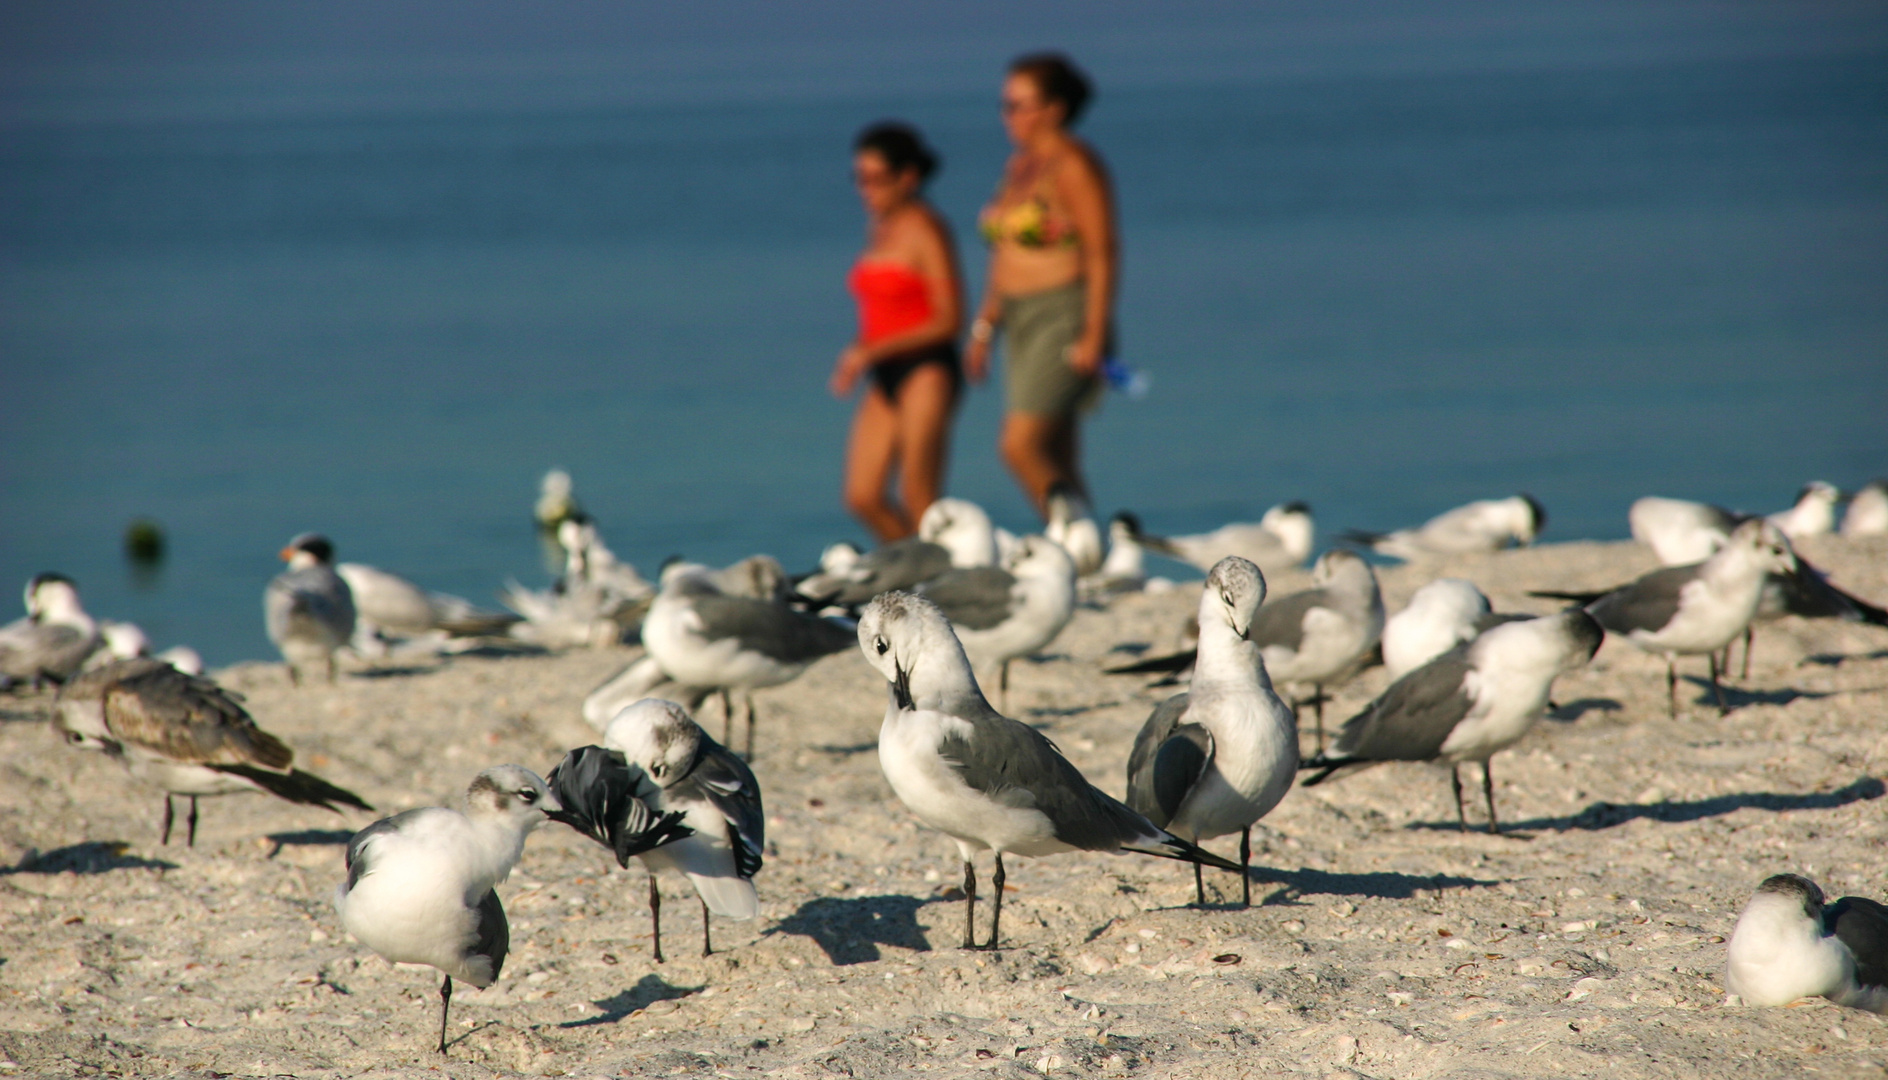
{"x": 1587, "y": 940}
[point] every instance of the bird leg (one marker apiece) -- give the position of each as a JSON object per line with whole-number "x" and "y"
{"x": 970, "y": 904}
{"x": 1488, "y": 792}
{"x": 1003, "y": 684}
{"x": 1750, "y": 633}
{"x": 1717, "y": 690}
{"x": 330, "y": 669}
{"x": 192, "y": 840}
{"x": 1199, "y": 887}
{"x": 1245, "y": 866}
{"x": 1455, "y": 782}
{"x": 996, "y": 903}
{"x": 655, "y": 914}
{"x": 1317, "y": 703}
{"x": 707, "y": 947}
{"x": 294, "y": 675}
{"x": 1671, "y": 686}
{"x": 727, "y": 719}
{"x": 750, "y": 728}
{"x": 445, "y": 1005}
{"x": 169, "y": 813}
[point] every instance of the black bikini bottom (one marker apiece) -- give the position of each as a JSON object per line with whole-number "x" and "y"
{"x": 891, "y": 372}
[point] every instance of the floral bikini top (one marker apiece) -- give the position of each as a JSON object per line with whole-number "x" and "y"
{"x": 1030, "y": 223}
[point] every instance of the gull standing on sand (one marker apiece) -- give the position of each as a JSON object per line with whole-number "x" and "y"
{"x": 1468, "y": 704}
{"x": 1441, "y": 615}
{"x": 1687, "y": 610}
{"x": 1320, "y": 636}
{"x": 389, "y": 602}
{"x": 1868, "y": 511}
{"x": 1280, "y": 540}
{"x": 985, "y": 780}
{"x": 1125, "y": 568}
{"x": 1681, "y": 532}
{"x": 1216, "y": 759}
{"x": 952, "y": 534}
{"x": 308, "y": 609}
{"x": 685, "y": 773}
{"x": 1789, "y": 945}
{"x": 1487, "y": 525}
{"x": 702, "y": 637}
{"x": 54, "y": 639}
{"x": 1812, "y": 514}
{"x": 1072, "y": 525}
{"x": 419, "y": 886}
{"x": 186, "y": 736}
{"x": 1002, "y": 614}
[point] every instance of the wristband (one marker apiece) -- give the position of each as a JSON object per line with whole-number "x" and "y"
{"x": 982, "y": 331}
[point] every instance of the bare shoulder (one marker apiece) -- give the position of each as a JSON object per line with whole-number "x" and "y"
{"x": 1080, "y": 164}
{"x": 920, "y": 234}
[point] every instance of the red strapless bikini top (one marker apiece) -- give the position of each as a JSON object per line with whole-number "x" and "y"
{"x": 893, "y": 298}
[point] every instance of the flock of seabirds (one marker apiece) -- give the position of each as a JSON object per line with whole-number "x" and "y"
{"x": 931, "y": 614}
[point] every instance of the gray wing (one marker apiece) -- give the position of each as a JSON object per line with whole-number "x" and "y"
{"x": 726, "y": 782}
{"x": 359, "y": 857}
{"x": 44, "y": 650}
{"x": 494, "y": 937}
{"x": 1488, "y": 620}
{"x": 772, "y": 629}
{"x": 1807, "y": 593}
{"x": 184, "y": 718}
{"x": 1167, "y": 761}
{"x": 315, "y": 596}
{"x": 1862, "y": 925}
{"x": 1646, "y": 604}
{"x": 897, "y": 565}
{"x": 973, "y": 597}
{"x": 1282, "y": 621}
{"x": 1412, "y": 719}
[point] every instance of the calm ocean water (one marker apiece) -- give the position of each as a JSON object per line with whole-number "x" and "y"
{"x": 1384, "y": 293}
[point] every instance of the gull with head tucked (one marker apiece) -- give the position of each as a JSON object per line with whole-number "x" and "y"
{"x": 1788, "y": 945}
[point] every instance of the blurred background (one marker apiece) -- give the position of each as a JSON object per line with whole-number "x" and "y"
{"x": 369, "y": 268}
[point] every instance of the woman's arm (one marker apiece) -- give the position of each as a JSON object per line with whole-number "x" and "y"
{"x": 1082, "y": 183}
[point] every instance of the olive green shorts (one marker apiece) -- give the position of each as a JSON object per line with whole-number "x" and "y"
{"x": 1038, "y": 329}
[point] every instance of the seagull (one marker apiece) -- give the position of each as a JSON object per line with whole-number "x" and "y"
{"x": 1218, "y": 758}
{"x": 1072, "y": 525}
{"x": 54, "y": 639}
{"x": 1125, "y": 569}
{"x": 1686, "y": 610}
{"x": 598, "y": 600}
{"x": 1321, "y": 636}
{"x": 1001, "y": 614}
{"x": 1789, "y": 945}
{"x": 308, "y": 608}
{"x": 1441, "y": 615}
{"x": 682, "y": 773}
{"x": 186, "y": 735}
{"x": 1487, "y": 525}
{"x": 702, "y": 637}
{"x": 1813, "y": 513}
{"x": 419, "y": 886}
{"x": 390, "y": 602}
{"x": 1681, "y": 532}
{"x": 555, "y": 503}
{"x": 1868, "y": 511}
{"x": 1280, "y": 540}
{"x": 952, "y": 533}
{"x": 983, "y": 779}
{"x": 1468, "y": 704}
{"x": 642, "y": 678}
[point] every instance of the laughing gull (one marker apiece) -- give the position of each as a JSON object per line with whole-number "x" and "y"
{"x": 1214, "y": 760}
{"x": 1468, "y": 704}
{"x": 1813, "y": 513}
{"x": 1280, "y": 540}
{"x": 1487, "y": 525}
{"x": 602, "y": 796}
{"x": 391, "y": 603}
{"x": 702, "y": 637}
{"x": 1072, "y": 525}
{"x": 596, "y": 602}
{"x": 687, "y": 774}
{"x": 185, "y": 735}
{"x": 555, "y": 502}
{"x": 1441, "y": 615}
{"x": 983, "y": 779}
{"x": 1125, "y": 568}
{"x": 952, "y": 533}
{"x": 1868, "y": 511}
{"x": 54, "y": 639}
{"x": 1320, "y": 637}
{"x": 419, "y": 886}
{"x": 1687, "y": 610}
{"x": 1681, "y": 532}
{"x": 1789, "y": 945}
{"x": 1017, "y": 610}
{"x": 642, "y": 678}
{"x": 308, "y": 608}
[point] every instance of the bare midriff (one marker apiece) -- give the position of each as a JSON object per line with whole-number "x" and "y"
{"x": 1016, "y": 270}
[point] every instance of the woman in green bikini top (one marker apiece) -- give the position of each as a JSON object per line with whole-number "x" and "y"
{"x": 1053, "y": 267}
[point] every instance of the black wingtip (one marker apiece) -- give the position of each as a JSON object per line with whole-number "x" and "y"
{"x": 1179, "y": 661}
{"x": 1360, "y": 538}
{"x": 298, "y": 787}
{"x": 1581, "y": 598}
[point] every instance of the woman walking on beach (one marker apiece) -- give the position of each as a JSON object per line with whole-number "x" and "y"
{"x": 1053, "y": 268}
{"x": 910, "y": 312}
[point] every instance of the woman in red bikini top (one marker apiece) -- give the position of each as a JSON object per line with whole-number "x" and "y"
{"x": 910, "y": 311}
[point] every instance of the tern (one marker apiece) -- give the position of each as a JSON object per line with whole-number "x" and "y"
{"x": 308, "y": 609}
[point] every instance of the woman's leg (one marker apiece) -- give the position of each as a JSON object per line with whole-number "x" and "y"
{"x": 1066, "y": 449}
{"x": 871, "y": 450}
{"x": 926, "y": 400}
{"x": 1035, "y": 448}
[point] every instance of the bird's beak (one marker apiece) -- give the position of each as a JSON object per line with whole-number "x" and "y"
{"x": 901, "y": 686}
{"x": 286, "y": 554}
{"x": 551, "y": 805}
{"x": 1244, "y": 632}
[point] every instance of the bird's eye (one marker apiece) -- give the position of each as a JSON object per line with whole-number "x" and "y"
{"x": 528, "y": 795}
{"x": 881, "y": 646}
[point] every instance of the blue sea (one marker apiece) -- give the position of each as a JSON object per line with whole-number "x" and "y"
{"x": 1360, "y": 269}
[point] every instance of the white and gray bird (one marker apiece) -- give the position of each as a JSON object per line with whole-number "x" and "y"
{"x": 1812, "y": 514}
{"x": 1441, "y": 615}
{"x": 1681, "y": 532}
{"x": 702, "y": 637}
{"x": 1213, "y": 761}
{"x": 597, "y": 601}
{"x": 1320, "y": 637}
{"x": 677, "y": 770}
{"x": 1468, "y": 704}
{"x": 1280, "y": 540}
{"x": 1072, "y": 524}
{"x": 185, "y": 735}
{"x": 986, "y": 781}
{"x": 952, "y": 534}
{"x": 1789, "y": 944}
{"x": 55, "y": 638}
{"x": 1016, "y": 610}
{"x": 1125, "y": 567}
{"x": 1687, "y": 610}
{"x": 1868, "y": 511}
{"x": 555, "y": 503}
{"x": 308, "y": 608}
{"x": 420, "y": 884}
{"x": 1485, "y": 525}
{"x": 388, "y": 602}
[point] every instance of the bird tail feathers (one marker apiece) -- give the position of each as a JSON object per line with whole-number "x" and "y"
{"x": 1168, "y": 846}
{"x": 297, "y": 787}
{"x": 729, "y": 897}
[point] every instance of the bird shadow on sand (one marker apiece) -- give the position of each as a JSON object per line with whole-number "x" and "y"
{"x": 1830, "y": 659}
{"x": 647, "y": 991}
{"x": 1379, "y": 885}
{"x": 850, "y": 930}
{"x": 91, "y": 857}
{"x": 306, "y": 838}
{"x": 1605, "y": 815}
{"x": 393, "y": 671}
{"x": 1574, "y": 710}
{"x": 846, "y": 751}
{"x": 1740, "y": 699}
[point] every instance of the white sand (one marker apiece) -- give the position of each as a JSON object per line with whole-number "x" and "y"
{"x": 1586, "y": 943}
